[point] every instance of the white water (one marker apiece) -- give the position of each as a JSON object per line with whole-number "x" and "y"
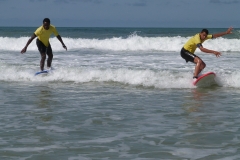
{"x": 112, "y": 102}
{"x": 132, "y": 43}
{"x": 158, "y": 70}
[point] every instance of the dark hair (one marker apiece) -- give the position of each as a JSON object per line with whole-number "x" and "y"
{"x": 205, "y": 30}
{"x": 46, "y": 20}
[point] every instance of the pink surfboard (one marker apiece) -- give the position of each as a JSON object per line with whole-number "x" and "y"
{"x": 206, "y": 79}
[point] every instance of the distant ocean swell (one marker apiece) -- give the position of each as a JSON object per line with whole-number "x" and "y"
{"x": 132, "y": 43}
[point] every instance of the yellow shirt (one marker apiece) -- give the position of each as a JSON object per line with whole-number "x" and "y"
{"x": 44, "y": 35}
{"x": 192, "y": 43}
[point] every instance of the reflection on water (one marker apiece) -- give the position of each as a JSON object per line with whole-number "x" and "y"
{"x": 199, "y": 97}
{"x": 44, "y": 100}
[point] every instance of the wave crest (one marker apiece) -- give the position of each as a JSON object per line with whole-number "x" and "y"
{"x": 131, "y": 43}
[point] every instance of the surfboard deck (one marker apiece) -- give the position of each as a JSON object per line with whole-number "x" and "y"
{"x": 45, "y": 71}
{"x": 42, "y": 72}
{"x": 205, "y": 80}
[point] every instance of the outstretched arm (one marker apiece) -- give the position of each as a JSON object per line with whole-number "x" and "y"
{"x": 229, "y": 31}
{"x": 60, "y": 39}
{"x": 216, "y": 53}
{"x": 28, "y": 42}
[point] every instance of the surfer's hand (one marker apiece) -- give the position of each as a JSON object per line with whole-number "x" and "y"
{"x": 64, "y": 47}
{"x": 218, "y": 54}
{"x": 229, "y": 30}
{"x": 24, "y": 50}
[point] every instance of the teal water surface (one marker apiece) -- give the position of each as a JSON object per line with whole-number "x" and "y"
{"x": 117, "y": 93}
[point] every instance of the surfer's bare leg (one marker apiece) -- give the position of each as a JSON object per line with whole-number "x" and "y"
{"x": 49, "y": 60}
{"x": 50, "y": 56}
{"x": 200, "y": 65}
{"x": 43, "y": 58}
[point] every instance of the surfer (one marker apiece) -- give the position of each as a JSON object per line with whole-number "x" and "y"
{"x": 195, "y": 42}
{"x": 43, "y": 34}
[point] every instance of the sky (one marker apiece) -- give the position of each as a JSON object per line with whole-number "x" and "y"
{"x": 121, "y": 13}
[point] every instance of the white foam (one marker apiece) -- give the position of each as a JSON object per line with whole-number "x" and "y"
{"x": 146, "y": 78}
{"x": 33, "y": 149}
{"x": 194, "y": 153}
{"x": 132, "y": 43}
{"x": 136, "y": 77}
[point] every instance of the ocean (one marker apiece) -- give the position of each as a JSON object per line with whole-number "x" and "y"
{"x": 118, "y": 93}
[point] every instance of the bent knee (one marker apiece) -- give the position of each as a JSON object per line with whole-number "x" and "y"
{"x": 199, "y": 61}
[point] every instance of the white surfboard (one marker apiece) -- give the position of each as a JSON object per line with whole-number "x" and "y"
{"x": 205, "y": 80}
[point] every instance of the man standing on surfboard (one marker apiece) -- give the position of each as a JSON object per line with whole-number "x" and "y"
{"x": 195, "y": 42}
{"x": 43, "y": 34}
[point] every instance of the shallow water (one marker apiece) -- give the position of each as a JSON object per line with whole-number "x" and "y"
{"x": 112, "y": 121}
{"x": 119, "y": 102}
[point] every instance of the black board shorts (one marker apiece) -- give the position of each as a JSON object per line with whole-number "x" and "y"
{"x": 42, "y": 48}
{"x": 188, "y": 56}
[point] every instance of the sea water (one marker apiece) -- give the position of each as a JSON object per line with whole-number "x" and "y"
{"x": 118, "y": 93}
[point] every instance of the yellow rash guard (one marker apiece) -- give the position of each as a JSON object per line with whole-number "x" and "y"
{"x": 44, "y": 35}
{"x": 193, "y": 42}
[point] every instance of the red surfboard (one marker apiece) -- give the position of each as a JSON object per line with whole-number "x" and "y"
{"x": 206, "y": 79}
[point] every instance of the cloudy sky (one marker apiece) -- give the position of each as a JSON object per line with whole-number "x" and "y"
{"x": 121, "y": 13}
